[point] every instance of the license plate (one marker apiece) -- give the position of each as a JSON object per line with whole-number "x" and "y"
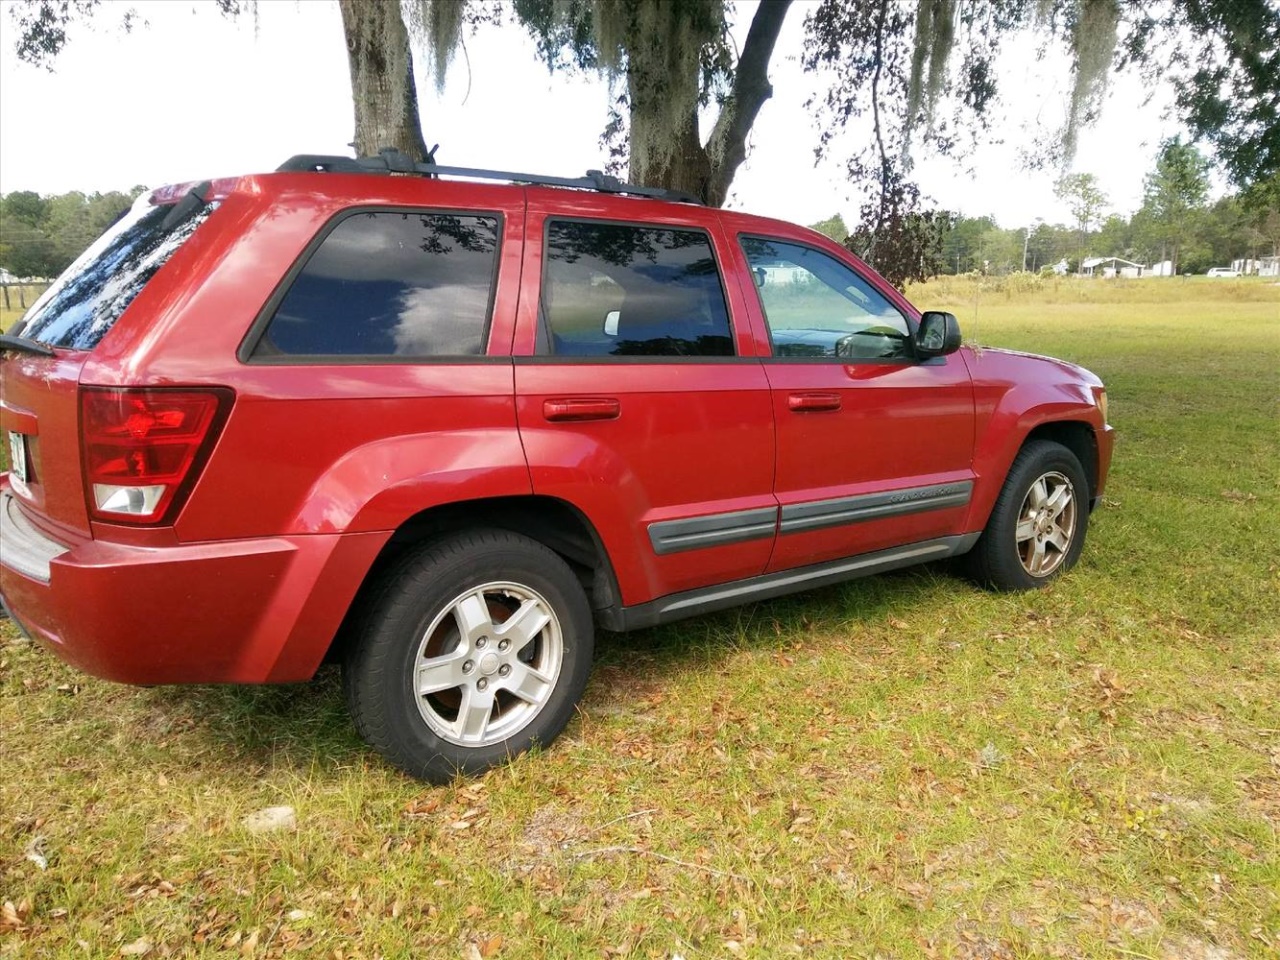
{"x": 18, "y": 455}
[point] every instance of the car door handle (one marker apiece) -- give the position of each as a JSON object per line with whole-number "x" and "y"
{"x": 581, "y": 408}
{"x": 813, "y": 402}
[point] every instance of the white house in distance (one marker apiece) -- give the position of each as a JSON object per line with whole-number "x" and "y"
{"x": 1111, "y": 267}
{"x": 1262, "y": 267}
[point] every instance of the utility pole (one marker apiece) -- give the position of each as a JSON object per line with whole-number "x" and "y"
{"x": 1026, "y": 242}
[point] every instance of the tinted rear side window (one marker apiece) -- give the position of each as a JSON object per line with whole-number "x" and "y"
{"x": 90, "y": 296}
{"x": 391, "y": 284}
{"x": 613, "y": 290}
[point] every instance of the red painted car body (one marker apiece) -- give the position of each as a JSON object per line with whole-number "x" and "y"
{"x": 321, "y": 467}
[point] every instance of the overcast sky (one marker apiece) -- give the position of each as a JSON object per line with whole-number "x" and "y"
{"x": 190, "y": 94}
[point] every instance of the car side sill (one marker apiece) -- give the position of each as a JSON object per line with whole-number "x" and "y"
{"x": 692, "y": 603}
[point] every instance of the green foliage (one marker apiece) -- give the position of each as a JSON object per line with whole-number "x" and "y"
{"x": 1114, "y": 238}
{"x": 1222, "y": 57}
{"x": 1175, "y": 195}
{"x": 40, "y": 236}
{"x": 833, "y": 227}
{"x": 24, "y": 206}
{"x": 1083, "y": 196}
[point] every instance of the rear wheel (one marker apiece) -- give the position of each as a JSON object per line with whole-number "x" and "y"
{"x": 473, "y": 649}
{"x": 1038, "y": 524}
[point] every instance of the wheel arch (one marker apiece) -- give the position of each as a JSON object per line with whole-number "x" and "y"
{"x": 556, "y": 524}
{"x": 1078, "y": 437}
{"x": 1072, "y": 428}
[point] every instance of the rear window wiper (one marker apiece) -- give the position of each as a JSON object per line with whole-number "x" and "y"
{"x": 192, "y": 200}
{"x": 24, "y": 345}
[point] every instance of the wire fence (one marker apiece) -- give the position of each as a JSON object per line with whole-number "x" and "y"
{"x": 18, "y": 296}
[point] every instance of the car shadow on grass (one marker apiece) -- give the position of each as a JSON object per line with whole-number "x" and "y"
{"x": 297, "y": 725}
{"x": 306, "y": 726}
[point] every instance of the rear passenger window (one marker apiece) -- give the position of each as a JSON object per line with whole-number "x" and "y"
{"x": 390, "y": 284}
{"x": 612, "y": 290}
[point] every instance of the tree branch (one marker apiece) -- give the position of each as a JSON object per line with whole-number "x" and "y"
{"x": 727, "y": 147}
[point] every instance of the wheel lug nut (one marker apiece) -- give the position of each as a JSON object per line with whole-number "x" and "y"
{"x": 503, "y": 644}
{"x": 482, "y": 641}
{"x": 468, "y": 666}
{"x": 481, "y": 683}
{"x": 504, "y": 670}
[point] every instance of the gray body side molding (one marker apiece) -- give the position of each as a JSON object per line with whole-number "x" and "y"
{"x": 691, "y": 603}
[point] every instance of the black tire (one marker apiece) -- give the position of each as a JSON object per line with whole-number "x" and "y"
{"x": 415, "y": 619}
{"x": 1001, "y": 560}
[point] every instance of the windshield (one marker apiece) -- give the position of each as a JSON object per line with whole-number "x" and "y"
{"x": 81, "y": 306}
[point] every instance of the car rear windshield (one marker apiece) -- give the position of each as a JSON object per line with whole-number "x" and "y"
{"x": 83, "y": 304}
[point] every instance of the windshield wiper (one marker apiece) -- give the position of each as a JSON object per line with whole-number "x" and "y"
{"x": 24, "y": 345}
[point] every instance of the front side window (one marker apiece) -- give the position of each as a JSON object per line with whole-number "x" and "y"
{"x": 391, "y": 284}
{"x": 614, "y": 290}
{"x": 816, "y": 306}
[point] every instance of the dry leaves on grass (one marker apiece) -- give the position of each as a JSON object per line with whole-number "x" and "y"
{"x": 482, "y": 949}
{"x": 13, "y": 919}
{"x": 1239, "y": 496}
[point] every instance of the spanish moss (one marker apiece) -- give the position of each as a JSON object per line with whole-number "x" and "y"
{"x": 934, "y": 37}
{"x": 437, "y": 25}
{"x": 1093, "y": 44}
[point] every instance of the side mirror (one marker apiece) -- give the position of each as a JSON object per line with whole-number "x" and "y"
{"x": 937, "y": 335}
{"x": 611, "y": 323}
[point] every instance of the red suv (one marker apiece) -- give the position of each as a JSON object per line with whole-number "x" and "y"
{"x": 441, "y": 429}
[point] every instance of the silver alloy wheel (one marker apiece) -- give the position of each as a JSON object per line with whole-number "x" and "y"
{"x": 488, "y": 663}
{"x": 1046, "y": 524}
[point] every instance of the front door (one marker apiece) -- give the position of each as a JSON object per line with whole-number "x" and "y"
{"x": 875, "y": 448}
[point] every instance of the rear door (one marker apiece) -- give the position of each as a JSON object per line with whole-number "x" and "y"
{"x": 875, "y": 448}
{"x": 639, "y": 399}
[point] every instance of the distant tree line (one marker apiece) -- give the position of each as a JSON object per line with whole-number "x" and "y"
{"x": 41, "y": 235}
{"x": 1176, "y": 222}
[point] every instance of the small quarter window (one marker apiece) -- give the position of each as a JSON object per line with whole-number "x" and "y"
{"x": 612, "y": 290}
{"x": 817, "y": 307}
{"x": 391, "y": 284}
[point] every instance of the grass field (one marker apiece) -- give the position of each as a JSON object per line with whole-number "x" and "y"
{"x": 902, "y": 767}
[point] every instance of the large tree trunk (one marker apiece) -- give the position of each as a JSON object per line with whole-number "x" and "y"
{"x": 655, "y": 159}
{"x": 382, "y": 84}
{"x": 683, "y": 163}
{"x": 727, "y": 147}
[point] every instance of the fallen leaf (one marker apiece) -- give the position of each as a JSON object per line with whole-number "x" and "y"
{"x": 139, "y": 948}
{"x": 14, "y": 918}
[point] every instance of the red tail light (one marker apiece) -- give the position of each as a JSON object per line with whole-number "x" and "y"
{"x": 144, "y": 448}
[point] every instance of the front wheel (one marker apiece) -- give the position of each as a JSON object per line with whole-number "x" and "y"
{"x": 1037, "y": 526}
{"x": 473, "y": 649}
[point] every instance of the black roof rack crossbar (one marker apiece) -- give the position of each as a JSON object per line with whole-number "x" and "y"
{"x": 392, "y": 161}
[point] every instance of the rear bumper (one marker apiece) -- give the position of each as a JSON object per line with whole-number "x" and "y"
{"x": 241, "y": 611}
